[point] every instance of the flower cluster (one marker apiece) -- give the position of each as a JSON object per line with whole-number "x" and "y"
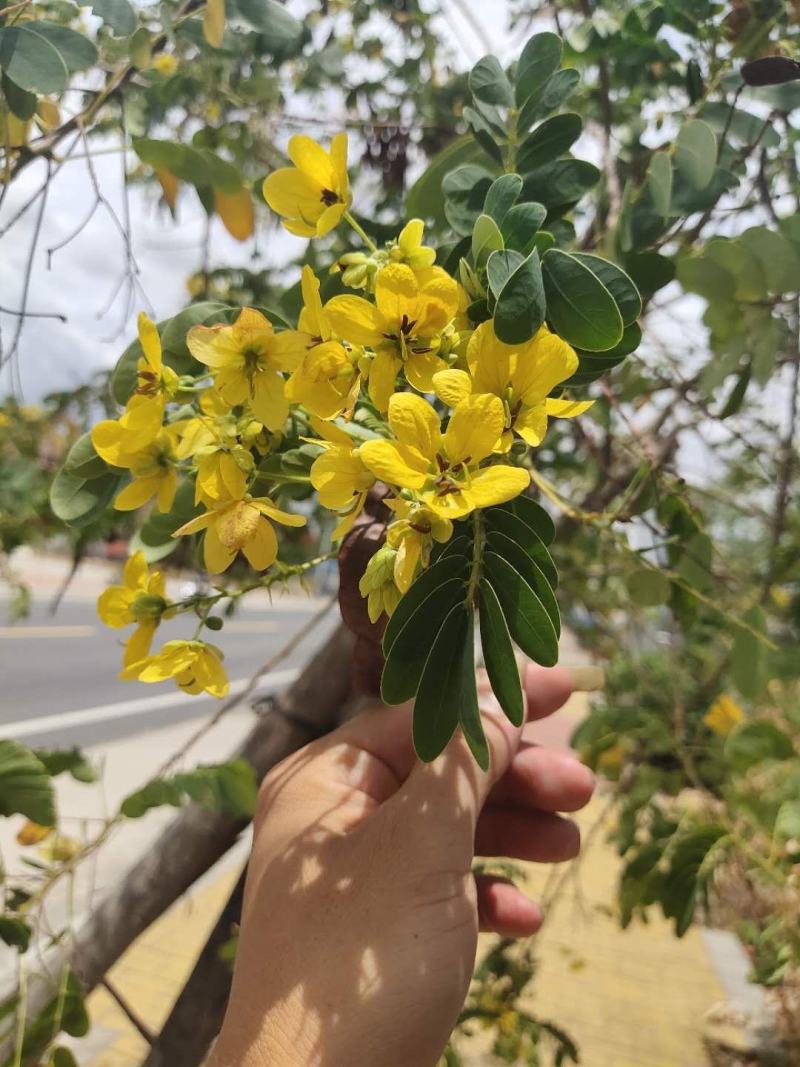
{"x": 443, "y": 402}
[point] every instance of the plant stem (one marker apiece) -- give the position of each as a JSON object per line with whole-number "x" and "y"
{"x": 362, "y": 233}
{"x": 477, "y": 557}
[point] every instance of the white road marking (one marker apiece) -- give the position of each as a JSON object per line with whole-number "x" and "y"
{"x": 21, "y": 632}
{"x": 125, "y": 709}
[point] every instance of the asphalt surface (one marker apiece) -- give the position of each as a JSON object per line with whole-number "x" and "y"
{"x": 59, "y": 682}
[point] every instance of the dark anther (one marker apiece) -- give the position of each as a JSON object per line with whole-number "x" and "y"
{"x": 329, "y": 198}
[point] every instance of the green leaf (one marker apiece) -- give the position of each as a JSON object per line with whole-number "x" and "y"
{"x": 694, "y": 81}
{"x": 520, "y": 226}
{"x": 649, "y": 271}
{"x": 527, "y": 619}
{"x": 777, "y": 255}
{"x": 526, "y": 567}
{"x": 649, "y": 588}
{"x": 560, "y": 183}
{"x": 499, "y": 268}
{"x": 498, "y": 655}
{"x": 755, "y": 741}
{"x": 78, "y": 501}
{"x": 425, "y": 198}
{"x": 534, "y": 515}
{"x": 659, "y": 182}
{"x": 787, "y": 821}
{"x": 158, "y": 528}
{"x": 118, "y": 15}
{"x": 684, "y": 882}
{"x": 62, "y": 1057}
{"x": 486, "y": 239}
{"x": 580, "y": 308}
{"x": 518, "y": 531}
{"x": 282, "y": 34}
{"x": 742, "y": 126}
{"x": 482, "y": 132}
{"x": 488, "y": 82}
{"x": 25, "y": 786}
{"x": 699, "y": 274}
{"x": 21, "y": 103}
{"x": 593, "y": 365}
{"x": 625, "y": 294}
{"x": 469, "y": 713}
{"x": 408, "y": 654}
{"x": 442, "y": 692}
{"x": 199, "y": 166}
{"x": 63, "y": 761}
{"x": 15, "y": 932}
{"x": 520, "y": 307}
{"x": 82, "y": 461}
{"x": 228, "y": 787}
{"x": 41, "y": 56}
{"x": 501, "y": 196}
{"x": 558, "y": 88}
{"x": 454, "y": 566}
{"x": 696, "y": 152}
{"x": 464, "y": 191}
{"x": 548, "y": 141}
{"x": 748, "y": 658}
{"x": 539, "y": 59}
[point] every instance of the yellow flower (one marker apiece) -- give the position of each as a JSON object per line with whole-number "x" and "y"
{"x": 165, "y": 64}
{"x": 521, "y": 376}
{"x": 141, "y": 600}
{"x": 195, "y": 666}
{"x": 115, "y": 440}
{"x": 723, "y": 715}
{"x": 412, "y": 533}
{"x": 443, "y": 469}
{"x": 242, "y": 525}
{"x": 339, "y": 476}
{"x": 377, "y": 583}
{"x": 153, "y": 471}
{"x": 246, "y": 363}
{"x": 410, "y": 249}
{"x": 327, "y": 378}
{"x": 153, "y": 379}
{"x": 403, "y": 327}
{"x": 314, "y": 194}
{"x": 222, "y": 463}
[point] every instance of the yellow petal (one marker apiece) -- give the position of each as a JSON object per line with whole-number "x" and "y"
{"x": 213, "y": 676}
{"x": 339, "y": 475}
{"x": 542, "y": 365}
{"x": 135, "y": 573}
{"x": 406, "y": 561}
{"x": 232, "y": 476}
{"x": 312, "y": 313}
{"x": 339, "y": 161}
{"x": 411, "y": 235}
{"x": 292, "y": 193}
{"x": 356, "y": 320}
{"x": 262, "y": 548}
{"x": 288, "y": 348}
{"x": 268, "y": 402}
{"x": 165, "y": 495}
{"x": 531, "y": 424}
{"x": 394, "y": 463}
{"x": 113, "y": 606}
{"x": 396, "y": 292}
{"x": 474, "y": 429}
{"x": 138, "y": 644}
{"x": 452, "y": 386}
{"x": 331, "y": 432}
{"x": 420, "y": 368}
{"x": 214, "y": 22}
{"x": 236, "y": 212}
{"x": 137, "y": 493}
{"x": 312, "y": 159}
{"x": 414, "y": 422}
{"x": 329, "y": 219}
{"x": 496, "y": 485}
{"x": 193, "y": 525}
{"x": 489, "y": 360}
{"x": 286, "y": 518}
{"x": 169, "y": 187}
{"x": 217, "y": 557}
{"x": 382, "y": 376}
{"x": 214, "y": 345}
{"x": 150, "y": 342}
{"x": 567, "y": 409}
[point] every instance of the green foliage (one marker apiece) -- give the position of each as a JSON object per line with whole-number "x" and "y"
{"x": 227, "y": 787}
{"x": 25, "y": 785}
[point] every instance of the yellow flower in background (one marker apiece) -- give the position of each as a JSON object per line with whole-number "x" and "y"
{"x": 723, "y": 715}
{"x": 403, "y": 327}
{"x": 165, "y": 63}
{"x": 195, "y": 666}
{"x": 314, "y": 194}
{"x": 141, "y": 599}
{"x": 242, "y": 525}
{"x": 153, "y": 472}
{"x": 246, "y": 364}
{"x": 521, "y": 376}
{"x": 377, "y": 583}
{"x": 412, "y": 533}
{"x": 410, "y": 249}
{"x": 222, "y": 464}
{"x": 340, "y": 477}
{"x": 442, "y": 469}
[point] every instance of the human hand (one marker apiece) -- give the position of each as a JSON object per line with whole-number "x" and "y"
{"x": 361, "y": 913}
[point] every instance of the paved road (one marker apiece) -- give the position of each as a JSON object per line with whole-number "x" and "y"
{"x": 65, "y": 667}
